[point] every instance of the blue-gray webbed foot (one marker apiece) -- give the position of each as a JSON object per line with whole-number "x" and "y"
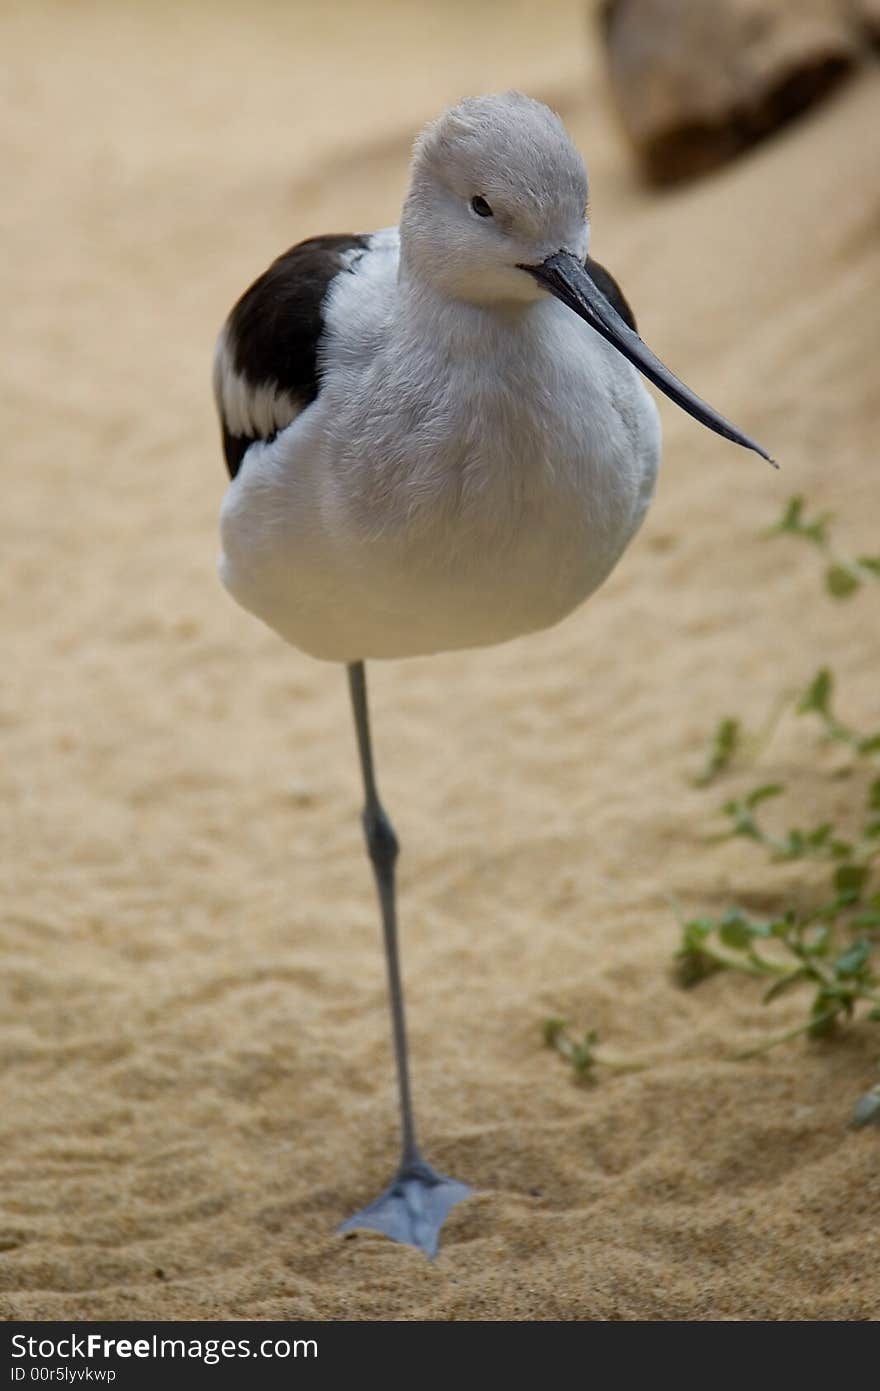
{"x": 413, "y": 1207}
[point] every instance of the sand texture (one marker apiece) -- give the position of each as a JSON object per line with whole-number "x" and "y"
{"x": 196, "y": 1075}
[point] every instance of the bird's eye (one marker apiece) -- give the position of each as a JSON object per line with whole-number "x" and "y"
{"x": 481, "y": 207}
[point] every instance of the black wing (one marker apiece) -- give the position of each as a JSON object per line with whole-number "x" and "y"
{"x": 612, "y": 291}
{"x": 266, "y": 363}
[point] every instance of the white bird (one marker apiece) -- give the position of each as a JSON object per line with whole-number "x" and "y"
{"x": 438, "y": 439}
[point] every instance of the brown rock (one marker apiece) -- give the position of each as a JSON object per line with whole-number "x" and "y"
{"x": 697, "y": 81}
{"x": 867, "y": 16}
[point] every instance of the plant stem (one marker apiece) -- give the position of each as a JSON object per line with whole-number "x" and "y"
{"x": 784, "y": 1038}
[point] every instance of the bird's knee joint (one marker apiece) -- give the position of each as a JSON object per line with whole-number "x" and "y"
{"x": 382, "y": 843}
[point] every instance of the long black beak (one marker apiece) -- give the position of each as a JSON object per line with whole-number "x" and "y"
{"x": 566, "y": 278}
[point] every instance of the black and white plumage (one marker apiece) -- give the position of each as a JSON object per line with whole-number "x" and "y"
{"x": 438, "y": 438}
{"x": 266, "y": 366}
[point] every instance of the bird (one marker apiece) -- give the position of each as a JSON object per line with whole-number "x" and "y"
{"x": 438, "y": 438}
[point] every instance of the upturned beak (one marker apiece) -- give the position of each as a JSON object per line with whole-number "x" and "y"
{"x": 566, "y": 278}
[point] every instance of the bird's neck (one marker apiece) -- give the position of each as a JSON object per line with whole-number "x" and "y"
{"x": 459, "y": 323}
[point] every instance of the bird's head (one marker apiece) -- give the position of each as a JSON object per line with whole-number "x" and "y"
{"x": 496, "y": 184}
{"x": 496, "y": 216}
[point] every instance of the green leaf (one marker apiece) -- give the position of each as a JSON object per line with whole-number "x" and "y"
{"x": 780, "y": 926}
{"x": 792, "y": 521}
{"x": 552, "y": 1029}
{"x": 817, "y": 696}
{"x": 582, "y": 1059}
{"x": 692, "y": 964}
{"x": 764, "y": 793}
{"x": 724, "y": 745}
{"x": 850, "y": 962}
{"x": 791, "y": 517}
{"x": 840, "y": 848}
{"x": 820, "y": 835}
{"x": 841, "y": 582}
{"x": 870, "y": 562}
{"x": 735, "y": 931}
{"x": 850, "y": 878}
{"x": 794, "y": 846}
{"x": 697, "y": 930}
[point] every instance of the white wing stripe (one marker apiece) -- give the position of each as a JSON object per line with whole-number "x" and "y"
{"x": 245, "y": 409}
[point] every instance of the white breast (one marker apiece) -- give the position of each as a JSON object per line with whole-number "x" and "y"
{"x": 460, "y": 480}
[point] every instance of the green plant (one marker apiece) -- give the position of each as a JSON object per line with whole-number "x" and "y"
{"x": 816, "y": 700}
{"x": 581, "y": 1053}
{"x": 827, "y": 947}
{"x": 843, "y": 574}
{"x": 788, "y": 951}
{"x": 724, "y": 746}
{"x": 830, "y": 950}
{"x": 731, "y": 744}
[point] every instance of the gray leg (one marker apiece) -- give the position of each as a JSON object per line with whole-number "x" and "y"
{"x": 414, "y": 1206}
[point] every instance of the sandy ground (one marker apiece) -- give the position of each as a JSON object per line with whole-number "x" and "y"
{"x": 196, "y": 1071}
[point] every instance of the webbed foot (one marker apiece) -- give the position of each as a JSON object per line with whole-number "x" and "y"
{"x": 413, "y": 1207}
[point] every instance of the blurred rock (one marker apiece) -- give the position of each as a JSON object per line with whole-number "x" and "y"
{"x": 867, "y": 14}
{"x": 697, "y": 81}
